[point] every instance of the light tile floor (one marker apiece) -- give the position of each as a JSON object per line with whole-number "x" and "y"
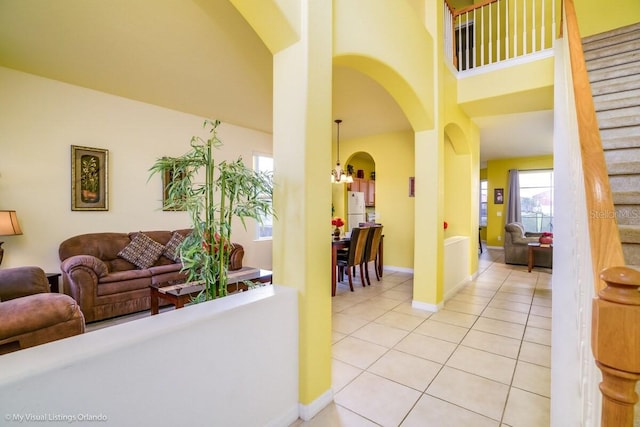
{"x": 484, "y": 360}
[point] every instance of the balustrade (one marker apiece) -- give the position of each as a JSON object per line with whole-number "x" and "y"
{"x": 493, "y": 31}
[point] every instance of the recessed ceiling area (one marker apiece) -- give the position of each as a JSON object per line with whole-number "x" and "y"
{"x": 516, "y": 135}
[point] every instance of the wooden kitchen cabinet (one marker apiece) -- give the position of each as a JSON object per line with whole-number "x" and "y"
{"x": 355, "y": 185}
{"x": 370, "y": 193}
{"x": 366, "y": 186}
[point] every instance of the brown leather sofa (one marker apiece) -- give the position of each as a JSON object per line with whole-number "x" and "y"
{"x": 107, "y": 285}
{"x": 30, "y": 315}
{"x": 516, "y": 246}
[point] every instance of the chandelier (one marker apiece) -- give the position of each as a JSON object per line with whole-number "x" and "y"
{"x": 338, "y": 176}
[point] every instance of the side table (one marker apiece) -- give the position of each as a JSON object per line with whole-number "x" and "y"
{"x": 54, "y": 281}
{"x": 537, "y": 247}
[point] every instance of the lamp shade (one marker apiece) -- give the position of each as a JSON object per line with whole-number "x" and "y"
{"x": 9, "y": 223}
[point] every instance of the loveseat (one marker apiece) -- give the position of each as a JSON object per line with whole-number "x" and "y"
{"x": 30, "y": 315}
{"x": 109, "y": 274}
{"x": 516, "y": 246}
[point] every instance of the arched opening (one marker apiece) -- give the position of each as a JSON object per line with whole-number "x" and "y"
{"x": 362, "y": 167}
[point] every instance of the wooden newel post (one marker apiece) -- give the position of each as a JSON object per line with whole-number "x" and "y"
{"x": 615, "y": 343}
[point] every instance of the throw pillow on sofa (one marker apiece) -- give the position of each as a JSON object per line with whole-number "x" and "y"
{"x": 142, "y": 252}
{"x": 171, "y": 248}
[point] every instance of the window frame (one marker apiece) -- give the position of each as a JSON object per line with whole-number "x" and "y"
{"x": 260, "y": 231}
{"x": 543, "y": 221}
{"x": 483, "y": 192}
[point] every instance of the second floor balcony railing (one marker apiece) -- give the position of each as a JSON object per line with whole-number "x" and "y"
{"x": 493, "y": 31}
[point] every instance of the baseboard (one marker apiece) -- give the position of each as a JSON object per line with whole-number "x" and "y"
{"x": 501, "y": 248}
{"x": 306, "y": 412}
{"x": 398, "y": 269}
{"x": 434, "y": 308}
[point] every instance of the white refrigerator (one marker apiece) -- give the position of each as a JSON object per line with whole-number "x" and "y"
{"x": 355, "y": 209}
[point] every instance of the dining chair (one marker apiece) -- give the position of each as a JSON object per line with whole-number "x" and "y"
{"x": 354, "y": 255}
{"x": 371, "y": 252}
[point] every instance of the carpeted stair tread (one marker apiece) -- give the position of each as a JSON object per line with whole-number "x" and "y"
{"x": 613, "y": 72}
{"x": 625, "y": 197}
{"x": 614, "y": 101}
{"x": 631, "y": 253}
{"x": 629, "y": 233}
{"x": 620, "y": 138}
{"x": 609, "y": 119}
{"x": 623, "y": 168}
{"x": 614, "y": 49}
{"x": 612, "y": 61}
{"x": 611, "y": 40}
{"x": 624, "y": 183}
{"x": 623, "y": 162}
{"x": 618, "y": 85}
{"x": 626, "y": 214}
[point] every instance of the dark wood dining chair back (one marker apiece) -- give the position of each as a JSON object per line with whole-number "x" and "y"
{"x": 371, "y": 251}
{"x": 354, "y": 255}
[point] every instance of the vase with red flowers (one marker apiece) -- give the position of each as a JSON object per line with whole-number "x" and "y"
{"x": 337, "y": 222}
{"x": 546, "y": 238}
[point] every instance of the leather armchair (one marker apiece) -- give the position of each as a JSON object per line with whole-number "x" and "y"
{"x": 30, "y": 315}
{"x": 516, "y": 246}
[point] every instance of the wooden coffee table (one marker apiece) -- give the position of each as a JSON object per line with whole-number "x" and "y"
{"x": 180, "y": 294}
{"x": 533, "y": 247}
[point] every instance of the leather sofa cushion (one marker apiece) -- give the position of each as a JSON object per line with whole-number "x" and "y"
{"x": 123, "y": 281}
{"x": 19, "y": 315}
{"x": 22, "y": 281}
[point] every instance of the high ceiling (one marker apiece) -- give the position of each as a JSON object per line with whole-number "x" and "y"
{"x": 202, "y": 58}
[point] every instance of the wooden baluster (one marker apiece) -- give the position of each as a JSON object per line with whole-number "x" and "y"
{"x": 615, "y": 343}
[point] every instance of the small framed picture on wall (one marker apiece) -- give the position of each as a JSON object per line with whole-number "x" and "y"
{"x": 89, "y": 179}
{"x": 498, "y": 196}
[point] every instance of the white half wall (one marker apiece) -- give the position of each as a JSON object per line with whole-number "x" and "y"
{"x": 456, "y": 264}
{"x": 228, "y": 362}
{"x": 575, "y": 397}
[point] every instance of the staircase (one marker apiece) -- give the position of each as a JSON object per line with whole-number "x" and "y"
{"x": 613, "y": 64}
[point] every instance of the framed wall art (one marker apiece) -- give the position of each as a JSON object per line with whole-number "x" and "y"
{"x": 167, "y": 178}
{"x": 89, "y": 179}
{"x": 498, "y": 196}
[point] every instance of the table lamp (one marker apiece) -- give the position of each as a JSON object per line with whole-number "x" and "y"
{"x": 8, "y": 227}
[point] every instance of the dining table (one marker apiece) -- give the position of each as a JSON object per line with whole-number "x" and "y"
{"x": 343, "y": 243}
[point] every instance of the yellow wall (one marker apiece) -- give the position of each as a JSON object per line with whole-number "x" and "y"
{"x": 497, "y": 176}
{"x": 597, "y": 16}
{"x": 393, "y": 155}
{"x": 457, "y": 206}
{"x": 361, "y": 161}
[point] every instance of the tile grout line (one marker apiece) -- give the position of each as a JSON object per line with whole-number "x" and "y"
{"x": 458, "y": 344}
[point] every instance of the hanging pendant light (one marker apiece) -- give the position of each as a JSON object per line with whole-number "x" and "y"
{"x": 338, "y": 176}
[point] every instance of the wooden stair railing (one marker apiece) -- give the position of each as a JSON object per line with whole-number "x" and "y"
{"x": 615, "y": 343}
{"x": 615, "y": 329}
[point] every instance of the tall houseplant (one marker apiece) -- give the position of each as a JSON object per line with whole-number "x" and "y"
{"x": 229, "y": 190}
